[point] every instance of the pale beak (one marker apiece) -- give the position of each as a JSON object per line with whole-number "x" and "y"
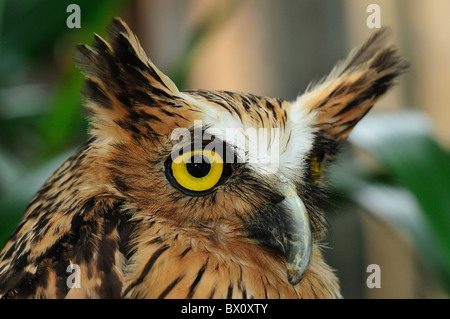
{"x": 285, "y": 227}
{"x": 297, "y": 240}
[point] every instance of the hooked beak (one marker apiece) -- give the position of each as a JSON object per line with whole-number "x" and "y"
{"x": 285, "y": 227}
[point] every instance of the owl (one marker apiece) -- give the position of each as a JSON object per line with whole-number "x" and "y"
{"x": 191, "y": 194}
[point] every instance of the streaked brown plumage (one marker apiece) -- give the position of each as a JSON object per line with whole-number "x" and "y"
{"x": 113, "y": 209}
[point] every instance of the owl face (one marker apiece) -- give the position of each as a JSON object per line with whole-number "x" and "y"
{"x": 228, "y": 174}
{"x": 246, "y": 158}
{"x": 222, "y": 165}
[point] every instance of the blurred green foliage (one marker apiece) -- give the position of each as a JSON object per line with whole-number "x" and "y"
{"x": 41, "y": 121}
{"x": 409, "y": 188}
{"x": 422, "y": 167}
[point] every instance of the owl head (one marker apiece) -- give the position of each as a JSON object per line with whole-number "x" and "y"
{"x": 222, "y": 166}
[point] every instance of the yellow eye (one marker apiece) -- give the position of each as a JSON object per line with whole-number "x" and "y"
{"x": 197, "y": 171}
{"x": 316, "y": 169}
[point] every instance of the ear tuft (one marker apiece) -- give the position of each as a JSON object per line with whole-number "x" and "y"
{"x": 353, "y": 86}
{"x": 122, "y": 84}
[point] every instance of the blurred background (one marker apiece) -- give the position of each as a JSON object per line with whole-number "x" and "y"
{"x": 391, "y": 184}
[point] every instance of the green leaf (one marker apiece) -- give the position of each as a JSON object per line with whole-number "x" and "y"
{"x": 404, "y": 148}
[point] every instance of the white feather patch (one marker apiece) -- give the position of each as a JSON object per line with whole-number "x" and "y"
{"x": 267, "y": 150}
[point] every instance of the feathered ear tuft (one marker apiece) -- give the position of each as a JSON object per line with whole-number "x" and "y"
{"x": 353, "y": 86}
{"x": 123, "y": 89}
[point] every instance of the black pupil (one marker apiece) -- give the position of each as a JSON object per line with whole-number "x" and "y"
{"x": 198, "y": 166}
